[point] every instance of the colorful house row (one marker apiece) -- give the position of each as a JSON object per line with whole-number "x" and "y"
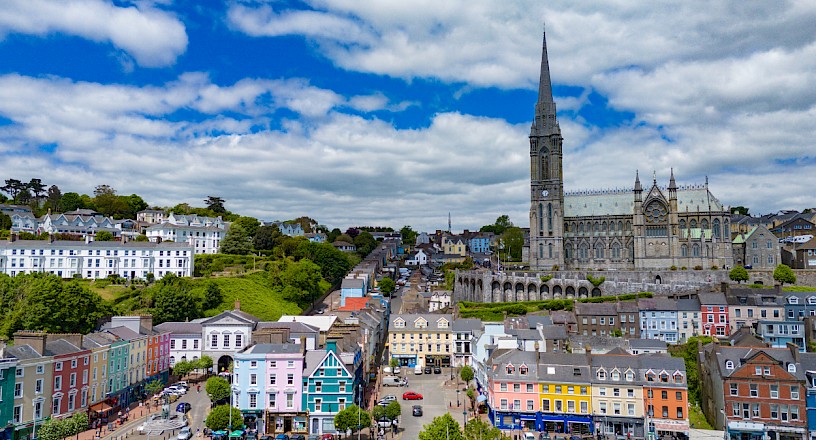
{"x": 289, "y": 389}
{"x": 580, "y": 394}
{"x": 55, "y": 375}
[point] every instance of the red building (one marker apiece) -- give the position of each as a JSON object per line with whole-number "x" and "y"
{"x": 714, "y": 308}
{"x": 71, "y": 368}
{"x": 752, "y": 392}
{"x": 158, "y": 355}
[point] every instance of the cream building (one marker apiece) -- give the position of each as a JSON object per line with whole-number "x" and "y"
{"x": 420, "y": 339}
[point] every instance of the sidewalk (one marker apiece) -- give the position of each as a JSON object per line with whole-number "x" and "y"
{"x": 136, "y": 416}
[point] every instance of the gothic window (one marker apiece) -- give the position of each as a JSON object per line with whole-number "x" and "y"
{"x": 566, "y": 227}
{"x": 716, "y": 223}
{"x": 597, "y": 227}
{"x": 599, "y": 250}
{"x": 611, "y": 226}
{"x": 616, "y": 254}
{"x": 549, "y": 217}
{"x": 695, "y": 250}
{"x": 540, "y": 250}
{"x": 540, "y": 217}
{"x": 583, "y": 251}
{"x": 581, "y": 228}
{"x": 603, "y": 227}
{"x": 545, "y": 164}
{"x": 693, "y": 223}
{"x": 655, "y": 213}
{"x": 684, "y": 251}
{"x": 628, "y": 225}
{"x": 726, "y": 229}
{"x": 704, "y": 224}
{"x": 550, "y": 250}
{"x": 682, "y": 224}
{"x": 620, "y": 226}
{"x": 707, "y": 251}
{"x": 568, "y": 251}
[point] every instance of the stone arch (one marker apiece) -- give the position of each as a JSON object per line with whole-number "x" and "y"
{"x": 544, "y": 291}
{"x": 583, "y": 292}
{"x": 581, "y": 227}
{"x": 532, "y": 290}
{"x": 479, "y": 290}
{"x": 507, "y": 292}
{"x": 223, "y": 363}
{"x": 704, "y": 224}
{"x": 658, "y": 280}
{"x": 556, "y": 291}
{"x": 596, "y": 292}
{"x": 496, "y": 292}
{"x": 570, "y": 292}
{"x": 603, "y": 226}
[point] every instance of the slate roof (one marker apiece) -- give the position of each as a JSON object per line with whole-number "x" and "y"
{"x": 664, "y": 304}
{"x": 466, "y": 325}
{"x": 124, "y": 333}
{"x": 554, "y": 332}
{"x": 60, "y": 346}
{"x": 622, "y": 202}
{"x": 98, "y": 339}
{"x": 595, "y": 309}
{"x": 410, "y": 320}
{"x": 272, "y": 348}
{"x": 563, "y": 367}
{"x": 712, "y": 299}
{"x": 236, "y": 314}
{"x": 45, "y": 244}
{"x": 180, "y": 328}
{"x": 501, "y": 358}
{"x": 737, "y": 354}
{"x": 322, "y": 323}
{"x": 534, "y": 320}
{"x": 653, "y": 344}
{"x": 352, "y": 283}
{"x": 688, "y": 305}
{"x": 22, "y": 352}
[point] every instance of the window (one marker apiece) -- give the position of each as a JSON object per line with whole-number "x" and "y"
{"x": 664, "y": 394}
{"x": 57, "y": 383}
{"x": 290, "y": 379}
{"x": 503, "y": 403}
{"x": 754, "y": 390}
{"x": 774, "y": 411}
{"x": 680, "y": 412}
{"x": 18, "y": 389}
{"x": 529, "y": 405}
{"x": 503, "y": 387}
{"x": 273, "y": 380}
{"x": 253, "y": 379}
{"x": 545, "y": 405}
{"x": 729, "y": 365}
{"x": 253, "y": 400}
{"x": 774, "y": 391}
{"x": 794, "y": 392}
{"x": 584, "y": 407}
{"x": 665, "y": 412}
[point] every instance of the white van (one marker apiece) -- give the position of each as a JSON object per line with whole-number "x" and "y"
{"x": 392, "y": 381}
{"x": 418, "y": 370}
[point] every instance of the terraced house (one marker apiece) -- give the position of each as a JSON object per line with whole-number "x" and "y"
{"x": 328, "y": 387}
{"x": 420, "y": 339}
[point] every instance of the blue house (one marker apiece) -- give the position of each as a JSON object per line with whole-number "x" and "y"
{"x": 779, "y": 333}
{"x": 328, "y": 387}
{"x": 479, "y": 244}
{"x": 351, "y": 288}
{"x": 799, "y": 304}
{"x": 658, "y": 319}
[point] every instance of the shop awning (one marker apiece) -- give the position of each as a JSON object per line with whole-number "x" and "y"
{"x": 236, "y": 434}
{"x": 672, "y": 425}
{"x": 101, "y": 407}
{"x": 746, "y": 426}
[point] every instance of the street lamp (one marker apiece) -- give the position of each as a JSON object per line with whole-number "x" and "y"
{"x": 464, "y": 419}
{"x": 457, "y": 397}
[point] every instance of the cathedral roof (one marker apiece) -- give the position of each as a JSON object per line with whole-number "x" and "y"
{"x": 622, "y": 202}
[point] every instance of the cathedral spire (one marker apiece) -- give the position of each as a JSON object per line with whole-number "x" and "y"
{"x": 545, "y": 121}
{"x": 638, "y": 187}
{"x": 672, "y": 183}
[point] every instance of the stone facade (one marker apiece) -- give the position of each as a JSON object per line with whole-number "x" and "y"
{"x": 617, "y": 229}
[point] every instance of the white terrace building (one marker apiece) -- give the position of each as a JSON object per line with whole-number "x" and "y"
{"x": 96, "y": 259}
{"x": 203, "y": 233}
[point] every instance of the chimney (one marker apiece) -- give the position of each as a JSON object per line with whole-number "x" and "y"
{"x": 73, "y": 338}
{"x": 35, "y": 339}
{"x": 237, "y": 304}
{"x": 794, "y": 349}
{"x": 146, "y": 321}
{"x": 303, "y": 345}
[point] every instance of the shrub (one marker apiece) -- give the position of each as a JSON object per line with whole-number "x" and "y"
{"x": 698, "y": 267}
{"x": 673, "y": 267}
{"x": 683, "y": 268}
{"x": 714, "y": 267}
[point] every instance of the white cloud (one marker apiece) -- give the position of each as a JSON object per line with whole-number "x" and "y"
{"x": 151, "y": 36}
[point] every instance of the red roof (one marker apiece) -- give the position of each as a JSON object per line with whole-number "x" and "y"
{"x": 354, "y": 304}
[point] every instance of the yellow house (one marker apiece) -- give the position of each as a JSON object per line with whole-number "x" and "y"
{"x": 565, "y": 392}
{"x": 617, "y": 395}
{"x": 454, "y": 246}
{"x": 99, "y": 343}
{"x": 420, "y": 339}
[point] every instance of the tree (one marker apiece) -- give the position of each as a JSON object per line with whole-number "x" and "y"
{"x": 71, "y": 201}
{"x": 387, "y": 286}
{"x": 134, "y": 204}
{"x": 141, "y": 238}
{"x": 266, "y": 237}
{"x": 738, "y": 274}
{"x": 365, "y": 243}
{"x": 344, "y": 237}
{"x": 13, "y": 188}
{"x": 53, "y": 197}
{"x": 212, "y": 296}
{"x": 107, "y": 202}
{"x": 5, "y": 222}
{"x": 153, "y": 387}
{"x": 442, "y": 427}
{"x": 250, "y": 225}
{"x": 302, "y": 279}
{"x": 219, "y": 418}
{"x": 513, "y": 239}
{"x": 103, "y": 236}
{"x": 183, "y": 368}
{"x": 215, "y": 204}
{"x": 332, "y": 236}
{"x": 478, "y": 429}
{"x": 204, "y": 363}
{"x": 784, "y": 274}
{"x": 466, "y": 374}
{"x": 37, "y": 188}
{"x": 174, "y": 300}
{"x": 352, "y": 417}
{"x": 689, "y": 352}
{"x": 236, "y": 241}
{"x": 393, "y": 410}
{"x": 739, "y": 210}
{"x": 393, "y": 363}
{"x": 408, "y": 235}
{"x": 217, "y": 388}
{"x": 334, "y": 263}
{"x": 499, "y": 227}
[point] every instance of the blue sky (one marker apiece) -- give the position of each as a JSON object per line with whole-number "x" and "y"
{"x": 393, "y": 113}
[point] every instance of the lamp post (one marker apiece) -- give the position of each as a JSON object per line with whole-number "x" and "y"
{"x": 464, "y": 419}
{"x": 457, "y": 397}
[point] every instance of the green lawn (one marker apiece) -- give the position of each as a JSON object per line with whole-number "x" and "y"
{"x": 256, "y": 298}
{"x": 697, "y": 419}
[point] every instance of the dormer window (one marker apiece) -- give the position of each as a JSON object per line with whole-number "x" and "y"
{"x": 630, "y": 376}
{"x": 793, "y": 300}
{"x": 650, "y": 377}
{"x": 523, "y": 370}
{"x": 664, "y": 377}
{"x": 601, "y": 375}
{"x": 729, "y": 365}
{"x": 678, "y": 378}
{"x": 616, "y": 375}
{"x": 791, "y": 368}
{"x": 812, "y": 300}
{"x": 510, "y": 369}
{"x": 399, "y": 323}
{"x": 442, "y": 323}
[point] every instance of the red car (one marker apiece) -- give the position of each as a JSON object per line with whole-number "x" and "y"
{"x": 411, "y": 395}
{"x": 327, "y": 437}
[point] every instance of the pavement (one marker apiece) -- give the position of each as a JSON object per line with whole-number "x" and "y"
{"x": 200, "y": 406}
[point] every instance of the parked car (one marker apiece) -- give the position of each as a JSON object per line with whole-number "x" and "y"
{"x": 313, "y": 437}
{"x": 411, "y": 395}
{"x": 282, "y": 437}
{"x": 437, "y": 370}
{"x": 183, "y": 407}
{"x": 266, "y": 437}
{"x": 327, "y": 437}
{"x": 297, "y": 437}
{"x": 384, "y": 422}
{"x": 185, "y": 434}
{"x": 428, "y": 370}
{"x": 417, "y": 370}
{"x": 397, "y": 370}
{"x": 416, "y": 410}
{"x": 389, "y": 398}
{"x": 182, "y": 383}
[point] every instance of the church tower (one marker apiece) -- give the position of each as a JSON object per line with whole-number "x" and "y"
{"x": 546, "y": 180}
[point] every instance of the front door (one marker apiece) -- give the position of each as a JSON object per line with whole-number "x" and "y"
{"x": 287, "y": 424}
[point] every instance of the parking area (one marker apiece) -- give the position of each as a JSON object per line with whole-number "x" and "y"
{"x": 437, "y": 398}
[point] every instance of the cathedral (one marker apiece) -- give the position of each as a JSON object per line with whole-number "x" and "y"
{"x": 646, "y": 227}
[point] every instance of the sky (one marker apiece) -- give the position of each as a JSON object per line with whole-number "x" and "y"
{"x": 394, "y": 112}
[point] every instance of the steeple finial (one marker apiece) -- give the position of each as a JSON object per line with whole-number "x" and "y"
{"x": 654, "y": 177}
{"x": 637, "y": 181}
{"x": 672, "y": 183}
{"x": 545, "y": 121}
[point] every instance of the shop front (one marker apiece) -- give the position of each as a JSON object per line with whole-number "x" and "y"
{"x": 628, "y": 427}
{"x": 665, "y": 428}
{"x": 438, "y": 360}
{"x": 565, "y": 423}
{"x": 280, "y": 423}
{"x": 406, "y": 360}
{"x": 738, "y": 430}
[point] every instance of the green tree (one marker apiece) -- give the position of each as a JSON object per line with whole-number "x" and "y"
{"x": 689, "y": 353}
{"x": 103, "y": 236}
{"x": 134, "y": 204}
{"x": 738, "y": 274}
{"x": 333, "y": 234}
{"x": 442, "y": 427}
{"x": 141, "y": 238}
{"x": 212, "y": 296}
{"x": 217, "y": 388}
{"x": 204, "y": 363}
{"x": 499, "y": 227}
{"x": 13, "y": 187}
{"x": 174, "y": 300}
{"x": 71, "y": 201}
{"x": 365, "y": 243}
{"x": 393, "y": 363}
{"x": 466, "y": 373}
{"x": 107, "y": 202}
{"x": 266, "y": 237}
{"x": 304, "y": 277}
{"x": 513, "y": 239}
{"x": 37, "y": 188}
{"x": 393, "y": 410}
{"x": 236, "y": 241}
{"x": 378, "y": 412}
{"x": 183, "y": 368}
{"x": 53, "y": 198}
{"x": 784, "y": 274}
{"x": 219, "y": 418}
{"x": 53, "y": 429}
{"x": 478, "y": 429}
{"x": 250, "y": 225}
{"x": 153, "y": 387}
{"x": 334, "y": 264}
{"x": 5, "y": 222}
{"x": 739, "y": 210}
{"x": 352, "y": 417}
{"x": 408, "y": 235}
{"x": 344, "y": 237}
{"x": 215, "y": 204}
{"x": 387, "y": 286}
